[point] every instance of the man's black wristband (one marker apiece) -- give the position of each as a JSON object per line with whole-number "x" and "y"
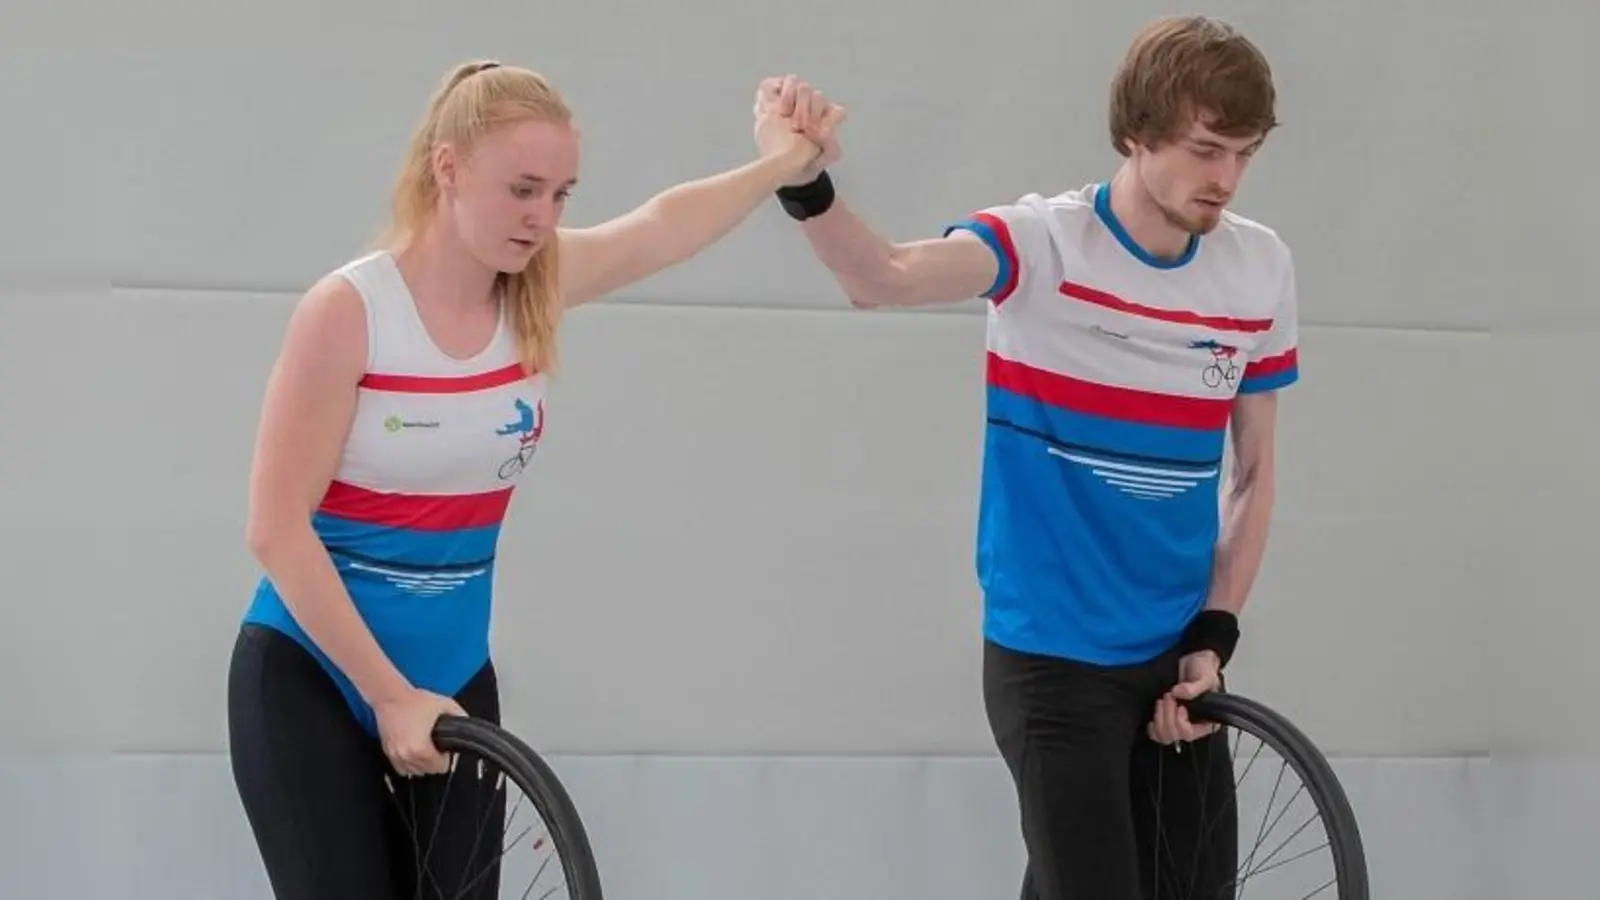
{"x": 1216, "y": 630}
{"x": 805, "y": 201}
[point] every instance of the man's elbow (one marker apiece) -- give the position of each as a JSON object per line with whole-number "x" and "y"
{"x": 1263, "y": 494}
{"x": 879, "y": 289}
{"x": 873, "y": 296}
{"x": 1254, "y": 494}
{"x": 894, "y": 282}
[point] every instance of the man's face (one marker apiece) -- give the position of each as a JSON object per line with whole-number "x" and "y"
{"x": 1192, "y": 178}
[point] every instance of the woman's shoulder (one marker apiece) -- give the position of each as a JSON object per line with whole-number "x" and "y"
{"x": 329, "y": 321}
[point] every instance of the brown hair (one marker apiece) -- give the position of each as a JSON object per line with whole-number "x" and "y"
{"x": 1180, "y": 67}
{"x": 474, "y": 99}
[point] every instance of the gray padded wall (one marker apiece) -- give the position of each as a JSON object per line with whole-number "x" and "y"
{"x": 185, "y": 172}
{"x": 657, "y": 568}
{"x": 245, "y": 146}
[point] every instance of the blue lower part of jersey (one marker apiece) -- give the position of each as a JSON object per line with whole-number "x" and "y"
{"x": 432, "y": 621}
{"x": 1096, "y": 554}
{"x": 419, "y": 548}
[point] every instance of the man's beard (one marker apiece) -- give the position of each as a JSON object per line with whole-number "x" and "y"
{"x": 1193, "y": 224}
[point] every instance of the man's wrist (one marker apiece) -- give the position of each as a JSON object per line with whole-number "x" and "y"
{"x": 1216, "y": 630}
{"x": 809, "y": 200}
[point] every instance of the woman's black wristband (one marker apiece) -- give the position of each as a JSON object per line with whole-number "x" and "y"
{"x": 1216, "y": 630}
{"x": 805, "y": 201}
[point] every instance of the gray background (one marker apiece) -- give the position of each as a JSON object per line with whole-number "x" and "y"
{"x": 176, "y": 178}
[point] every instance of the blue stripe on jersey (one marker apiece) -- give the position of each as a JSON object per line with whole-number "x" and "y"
{"x": 409, "y": 546}
{"x": 1089, "y": 556}
{"x": 432, "y": 622}
{"x": 1102, "y": 208}
{"x": 1157, "y": 443}
{"x": 1282, "y": 378}
{"x": 1004, "y": 257}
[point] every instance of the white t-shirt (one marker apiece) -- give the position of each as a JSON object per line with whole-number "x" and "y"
{"x": 1111, "y": 376}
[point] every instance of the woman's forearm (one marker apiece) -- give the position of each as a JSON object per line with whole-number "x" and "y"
{"x": 302, "y": 572}
{"x": 696, "y": 214}
{"x": 672, "y": 226}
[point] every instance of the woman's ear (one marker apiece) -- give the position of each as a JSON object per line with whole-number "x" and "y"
{"x": 444, "y": 164}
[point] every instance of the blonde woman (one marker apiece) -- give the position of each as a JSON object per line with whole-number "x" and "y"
{"x": 407, "y": 398}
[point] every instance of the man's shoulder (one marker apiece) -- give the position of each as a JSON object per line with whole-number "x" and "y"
{"x": 1064, "y": 206}
{"x": 1079, "y": 199}
{"x": 1255, "y": 239}
{"x": 1037, "y": 204}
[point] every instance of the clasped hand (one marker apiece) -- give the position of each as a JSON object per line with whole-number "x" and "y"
{"x": 1198, "y": 673}
{"x": 788, "y": 109}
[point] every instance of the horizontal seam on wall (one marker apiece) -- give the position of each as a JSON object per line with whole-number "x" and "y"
{"x": 965, "y": 309}
{"x": 61, "y": 755}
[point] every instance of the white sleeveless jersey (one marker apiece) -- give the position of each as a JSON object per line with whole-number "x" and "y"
{"x": 413, "y": 514}
{"x": 1111, "y": 379}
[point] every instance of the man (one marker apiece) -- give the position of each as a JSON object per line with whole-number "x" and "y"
{"x": 1132, "y": 324}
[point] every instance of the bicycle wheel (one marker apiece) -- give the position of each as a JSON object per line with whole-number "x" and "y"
{"x": 474, "y": 855}
{"x": 1218, "y": 848}
{"x": 512, "y": 466}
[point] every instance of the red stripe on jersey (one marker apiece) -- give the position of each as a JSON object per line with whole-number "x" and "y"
{"x": 442, "y": 384}
{"x": 426, "y": 512}
{"x": 1272, "y": 365}
{"x": 1090, "y": 398}
{"x": 1184, "y": 317}
{"x": 1002, "y": 233}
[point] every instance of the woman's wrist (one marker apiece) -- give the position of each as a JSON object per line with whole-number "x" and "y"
{"x": 792, "y": 160}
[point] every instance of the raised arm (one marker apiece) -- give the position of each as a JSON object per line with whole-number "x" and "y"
{"x": 964, "y": 263}
{"x": 876, "y": 272}
{"x": 679, "y": 222}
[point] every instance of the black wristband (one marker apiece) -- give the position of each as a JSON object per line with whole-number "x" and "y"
{"x": 1216, "y": 630}
{"x": 805, "y": 201}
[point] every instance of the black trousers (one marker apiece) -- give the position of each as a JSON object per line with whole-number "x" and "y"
{"x": 332, "y": 819}
{"x": 1108, "y": 814}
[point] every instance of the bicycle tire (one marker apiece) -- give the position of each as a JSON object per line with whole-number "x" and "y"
{"x": 534, "y": 776}
{"x": 1333, "y": 805}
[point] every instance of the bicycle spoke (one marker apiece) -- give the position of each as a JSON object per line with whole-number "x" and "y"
{"x": 1269, "y": 853}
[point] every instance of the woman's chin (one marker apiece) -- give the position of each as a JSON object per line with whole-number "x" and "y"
{"x": 515, "y": 255}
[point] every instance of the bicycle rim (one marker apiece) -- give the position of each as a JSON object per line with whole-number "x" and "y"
{"x": 1297, "y": 753}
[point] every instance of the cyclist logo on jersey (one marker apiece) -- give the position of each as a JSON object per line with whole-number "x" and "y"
{"x": 527, "y": 426}
{"x": 1222, "y": 367}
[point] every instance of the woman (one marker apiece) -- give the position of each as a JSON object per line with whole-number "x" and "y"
{"x": 407, "y": 399}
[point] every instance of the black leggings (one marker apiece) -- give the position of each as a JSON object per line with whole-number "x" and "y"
{"x": 1088, "y": 778}
{"x": 316, "y": 788}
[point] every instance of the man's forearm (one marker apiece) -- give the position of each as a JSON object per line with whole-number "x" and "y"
{"x": 1247, "y": 515}
{"x": 877, "y": 272}
{"x": 861, "y": 260}
{"x": 847, "y": 245}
